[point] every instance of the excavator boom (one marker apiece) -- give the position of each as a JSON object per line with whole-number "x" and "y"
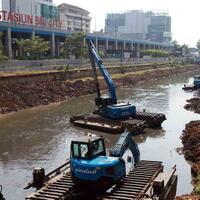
{"x": 126, "y": 142}
{"x": 95, "y": 58}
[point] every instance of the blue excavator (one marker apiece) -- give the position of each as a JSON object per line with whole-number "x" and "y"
{"x": 92, "y": 174}
{"x": 92, "y": 169}
{"x": 195, "y": 85}
{"x": 107, "y": 104}
{"x": 110, "y": 115}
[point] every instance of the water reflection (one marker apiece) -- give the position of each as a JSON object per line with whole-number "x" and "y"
{"x": 42, "y": 136}
{"x": 150, "y": 133}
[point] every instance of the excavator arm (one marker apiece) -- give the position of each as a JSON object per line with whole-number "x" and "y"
{"x": 125, "y": 141}
{"x": 95, "y": 58}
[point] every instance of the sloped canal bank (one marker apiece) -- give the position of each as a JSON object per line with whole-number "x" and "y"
{"x": 32, "y": 90}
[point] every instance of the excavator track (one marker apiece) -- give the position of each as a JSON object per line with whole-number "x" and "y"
{"x": 133, "y": 186}
{"x": 134, "y": 125}
{"x": 136, "y": 183}
{"x": 153, "y": 120}
{"x": 97, "y": 122}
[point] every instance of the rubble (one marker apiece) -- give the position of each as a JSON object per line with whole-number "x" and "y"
{"x": 193, "y": 105}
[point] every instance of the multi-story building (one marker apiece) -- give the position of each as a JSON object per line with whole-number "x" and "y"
{"x": 31, "y": 12}
{"x": 137, "y": 24}
{"x": 132, "y": 24}
{"x": 160, "y": 28}
{"x": 74, "y": 18}
{"x": 43, "y": 8}
{"x": 113, "y": 22}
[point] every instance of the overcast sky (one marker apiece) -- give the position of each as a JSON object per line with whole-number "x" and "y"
{"x": 185, "y": 14}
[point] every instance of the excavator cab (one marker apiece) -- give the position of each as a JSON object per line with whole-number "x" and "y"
{"x": 88, "y": 150}
{"x": 91, "y": 168}
{"x": 197, "y": 81}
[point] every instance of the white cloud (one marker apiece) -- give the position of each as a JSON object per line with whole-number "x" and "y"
{"x": 185, "y": 14}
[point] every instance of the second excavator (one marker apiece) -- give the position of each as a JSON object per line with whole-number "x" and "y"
{"x": 110, "y": 115}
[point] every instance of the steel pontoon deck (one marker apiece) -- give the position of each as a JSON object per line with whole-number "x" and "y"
{"x": 134, "y": 124}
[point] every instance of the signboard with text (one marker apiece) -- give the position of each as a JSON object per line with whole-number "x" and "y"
{"x": 26, "y": 19}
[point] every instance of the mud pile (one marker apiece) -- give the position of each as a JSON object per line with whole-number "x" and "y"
{"x": 191, "y": 150}
{"x": 21, "y": 94}
{"x": 188, "y": 197}
{"x": 193, "y": 105}
{"x": 191, "y": 141}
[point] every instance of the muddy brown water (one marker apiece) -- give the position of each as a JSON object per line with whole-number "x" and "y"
{"x": 41, "y": 136}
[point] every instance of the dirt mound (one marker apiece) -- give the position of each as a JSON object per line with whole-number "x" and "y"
{"x": 193, "y": 105}
{"x": 191, "y": 141}
{"x": 20, "y": 95}
{"x": 191, "y": 150}
{"x": 188, "y": 197}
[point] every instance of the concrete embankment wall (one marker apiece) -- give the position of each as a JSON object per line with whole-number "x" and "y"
{"x": 73, "y": 74}
{"x": 13, "y": 66}
{"x": 56, "y": 63}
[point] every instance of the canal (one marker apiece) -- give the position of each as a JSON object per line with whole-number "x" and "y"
{"x": 41, "y": 136}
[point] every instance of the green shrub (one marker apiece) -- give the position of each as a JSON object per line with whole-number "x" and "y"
{"x": 2, "y": 56}
{"x": 74, "y": 46}
{"x": 34, "y": 48}
{"x": 155, "y": 53}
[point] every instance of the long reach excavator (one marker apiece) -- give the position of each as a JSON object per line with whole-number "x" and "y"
{"x": 110, "y": 115}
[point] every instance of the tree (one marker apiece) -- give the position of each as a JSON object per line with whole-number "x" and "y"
{"x": 198, "y": 45}
{"x": 176, "y": 45}
{"x": 74, "y": 46}
{"x": 34, "y": 48}
{"x": 2, "y": 56}
{"x": 185, "y": 48}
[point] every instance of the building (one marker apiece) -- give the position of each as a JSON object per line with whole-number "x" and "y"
{"x": 132, "y": 24}
{"x": 113, "y": 22}
{"x": 32, "y": 12}
{"x": 140, "y": 25}
{"x": 136, "y": 24}
{"x": 40, "y": 8}
{"x": 160, "y": 28}
{"x": 74, "y": 18}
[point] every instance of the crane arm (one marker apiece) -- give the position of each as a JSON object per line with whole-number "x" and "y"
{"x": 95, "y": 58}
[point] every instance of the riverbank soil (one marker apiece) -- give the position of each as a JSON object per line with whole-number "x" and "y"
{"x": 26, "y": 92}
{"x": 191, "y": 141}
{"x": 188, "y": 197}
{"x": 191, "y": 147}
{"x": 193, "y": 105}
{"x": 191, "y": 150}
